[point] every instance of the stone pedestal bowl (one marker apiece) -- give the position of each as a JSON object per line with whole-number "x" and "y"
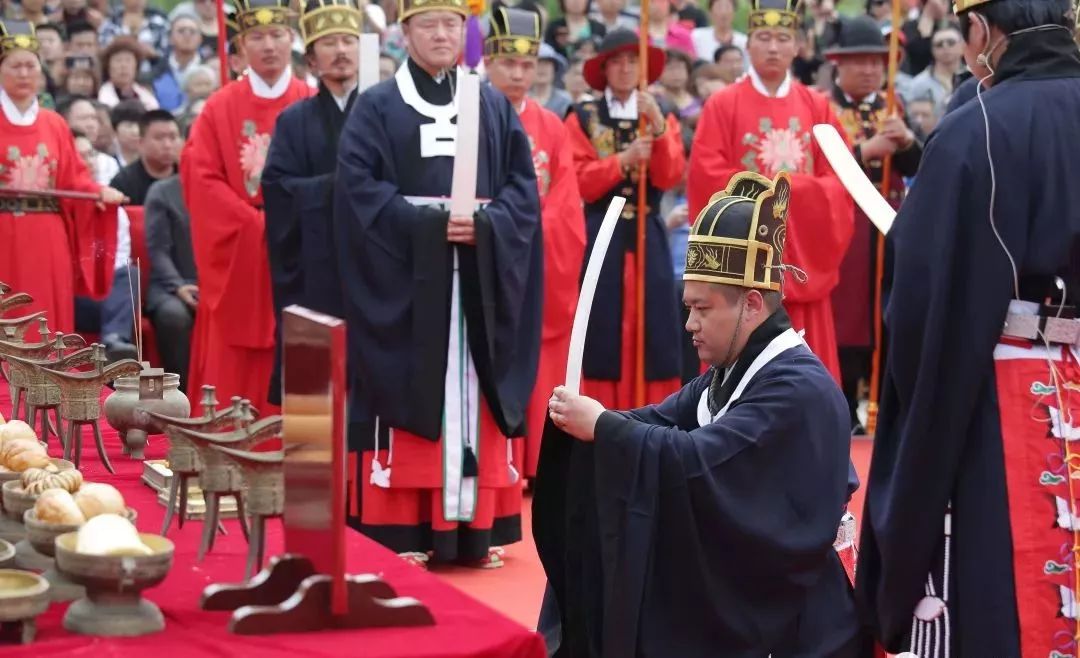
{"x": 113, "y": 605}
{"x": 23, "y": 596}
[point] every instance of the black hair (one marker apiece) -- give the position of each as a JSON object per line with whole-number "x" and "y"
{"x": 675, "y": 55}
{"x": 76, "y": 27}
{"x": 65, "y": 106}
{"x": 723, "y": 50}
{"x": 1008, "y": 17}
{"x": 55, "y": 27}
{"x": 155, "y": 116}
{"x": 127, "y": 111}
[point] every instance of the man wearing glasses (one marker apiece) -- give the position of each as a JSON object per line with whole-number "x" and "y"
{"x": 936, "y": 82}
{"x": 168, "y": 74}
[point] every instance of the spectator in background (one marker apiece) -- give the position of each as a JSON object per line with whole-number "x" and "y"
{"x": 146, "y": 25}
{"x": 550, "y": 67}
{"x": 51, "y": 50}
{"x": 706, "y": 80}
{"x": 707, "y": 40}
{"x": 120, "y": 63}
{"x": 808, "y": 62}
{"x": 665, "y": 30}
{"x": 918, "y": 32}
{"x": 923, "y": 116}
{"x": 732, "y": 63}
{"x": 388, "y": 66}
{"x": 198, "y": 83}
{"x": 612, "y": 14}
{"x": 205, "y": 13}
{"x": 33, "y": 12}
{"x": 82, "y": 39}
{"x": 80, "y": 77}
{"x": 170, "y": 71}
{"x": 85, "y": 148}
{"x": 80, "y": 114}
{"x": 106, "y": 139}
{"x": 159, "y": 153}
{"x": 675, "y": 87}
{"x": 125, "y": 119}
{"x": 573, "y": 26}
{"x": 585, "y": 48}
{"x": 824, "y": 23}
{"x": 173, "y": 293}
{"x": 690, "y": 15}
{"x": 880, "y": 11}
{"x": 936, "y": 81}
{"x": 75, "y": 12}
{"x": 576, "y": 86}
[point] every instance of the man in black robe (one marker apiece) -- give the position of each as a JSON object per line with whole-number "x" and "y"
{"x": 443, "y": 312}
{"x": 704, "y": 526}
{"x": 298, "y": 179}
{"x": 968, "y": 538}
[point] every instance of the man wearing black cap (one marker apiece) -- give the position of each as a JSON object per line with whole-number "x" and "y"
{"x": 444, "y": 312}
{"x": 608, "y": 150}
{"x": 969, "y": 539}
{"x": 703, "y": 526}
{"x": 861, "y": 58}
{"x": 221, "y": 171}
{"x": 298, "y": 180}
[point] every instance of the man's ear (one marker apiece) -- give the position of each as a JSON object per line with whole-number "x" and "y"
{"x": 755, "y": 301}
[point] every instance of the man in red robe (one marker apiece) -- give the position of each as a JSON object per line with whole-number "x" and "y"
{"x": 511, "y": 55}
{"x": 608, "y": 151}
{"x": 763, "y": 124}
{"x": 233, "y": 340}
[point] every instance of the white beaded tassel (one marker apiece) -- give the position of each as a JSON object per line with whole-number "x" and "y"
{"x": 931, "y": 635}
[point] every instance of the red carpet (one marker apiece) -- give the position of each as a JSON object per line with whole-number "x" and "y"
{"x": 516, "y": 589}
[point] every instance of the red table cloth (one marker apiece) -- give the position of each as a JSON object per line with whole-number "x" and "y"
{"x": 463, "y": 626}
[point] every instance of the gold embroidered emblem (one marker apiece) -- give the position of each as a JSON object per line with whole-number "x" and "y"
{"x": 264, "y": 17}
{"x": 772, "y": 18}
{"x": 22, "y": 41}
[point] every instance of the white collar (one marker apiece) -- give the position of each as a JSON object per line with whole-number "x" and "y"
{"x": 343, "y": 100}
{"x": 175, "y": 65}
{"x": 262, "y": 89}
{"x": 14, "y": 115}
{"x": 775, "y": 348}
{"x": 869, "y": 100}
{"x": 782, "y": 92}
{"x": 409, "y": 94}
{"x": 619, "y": 110}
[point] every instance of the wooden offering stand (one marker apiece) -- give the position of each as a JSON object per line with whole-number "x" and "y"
{"x": 220, "y": 476}
{"x": 42, "y": 394}
{"x": 307, "y": 589}
{"x": 184, "y": 460}
{"x": 80, "y": 400}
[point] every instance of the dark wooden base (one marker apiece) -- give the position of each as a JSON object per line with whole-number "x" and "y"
{"x": 288, "y": 597}
{"x": 18, "y": 632}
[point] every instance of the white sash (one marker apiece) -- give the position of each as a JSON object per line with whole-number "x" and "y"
{"x": 777, "y": 346}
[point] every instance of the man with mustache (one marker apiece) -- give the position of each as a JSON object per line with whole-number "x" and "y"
{"x": 220, "y": 172}
{"x": 763, "y": 124}
{"x": 298, "y": 180}
{"x": 444, "y": 312}
{"x": 861, "y": 57}
{"x": 511, "y": 57}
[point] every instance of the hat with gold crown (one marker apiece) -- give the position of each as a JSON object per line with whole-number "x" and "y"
{"x": 513, "y": 33}
{"x": 774, "y": 14}
{"x": 320, "y": 18}
{"x": 738, "y": 238}
{"x": 17, "y": 35}
{"x": 964, "y": 5}
{"x": 251, "y": 14}
{"x": 409, "y": 8}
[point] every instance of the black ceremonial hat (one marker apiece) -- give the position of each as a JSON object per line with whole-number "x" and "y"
{"x": 513, "y": 33}
{"x": 774, "y": 14}
{"x": 320, "y": 18}
{"x": 261, "y": 13}
{"x": 17, "y": 35}
{"x": 859, "y": 35}
{"x": 738, "y": 238}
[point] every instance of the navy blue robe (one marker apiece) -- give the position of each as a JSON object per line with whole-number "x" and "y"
{"x": 396, "y": 264}
{"x": 663, "y": 538}
{"x": 298, "y": 192}
{"x": 939, "y": 437}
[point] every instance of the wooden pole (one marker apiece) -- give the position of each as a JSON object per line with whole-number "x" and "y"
{"x": 50, "y": 194}
{"x": 886, "y": 189}
{"x": 642, "y": 212}
{"x": 222, "y": 44}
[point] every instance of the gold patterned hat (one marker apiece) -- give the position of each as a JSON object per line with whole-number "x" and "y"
{"x": 261, "y": 13}
{"x": 774, "y": 14}
{"x": 320, "y": 18}
{"x": 738, "y": 238}
{"x": 513, "y": 33}
{"x": 408, "y": 8}
{"x": 17, "y": 35}
{"x": 964, "y": 5}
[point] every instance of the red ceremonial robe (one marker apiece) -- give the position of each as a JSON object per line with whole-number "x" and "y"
{"x": 563, "y": 222}
{"x": 742, "y": 129}
{"x": 233, "y": 341}
{"x": 600, "y": 176}
{"x": 37, "y": 246}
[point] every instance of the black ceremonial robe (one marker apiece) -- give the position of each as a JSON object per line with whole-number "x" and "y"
{"x": 298, "y": 191}
{"x": 667, "y": 538}
{"x": 396, "y": 262}
{"x": 938, "y": 437}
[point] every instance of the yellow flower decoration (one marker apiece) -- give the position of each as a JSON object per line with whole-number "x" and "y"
{"x": 522, "y": 46}
{"x": 22, "y": 41}
{"x": 476, "y": 7}
{"x": 264, "y": 16}
{"x": 772, "y": 18}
